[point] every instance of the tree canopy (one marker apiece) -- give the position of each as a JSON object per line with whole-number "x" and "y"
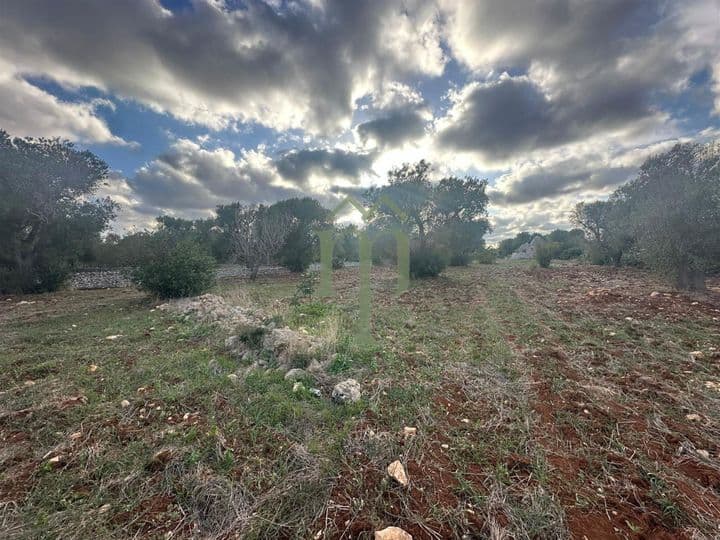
{"x": 48, "y": 214}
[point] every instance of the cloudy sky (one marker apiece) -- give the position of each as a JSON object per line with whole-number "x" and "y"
{"x": 198, "y": 102}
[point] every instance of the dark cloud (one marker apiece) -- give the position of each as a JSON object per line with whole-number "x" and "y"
{"x": 516, "y": 33}
{"x": 395, "y": 127}
{"x": 512, "y": 115}
{"x": 570, "y": 176}
{"x": 589, "y": 68}
{"x": 297, "y": 66}
{"x": 298, "y": 165}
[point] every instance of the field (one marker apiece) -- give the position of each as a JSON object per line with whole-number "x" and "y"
{"x": 558, "y": 403}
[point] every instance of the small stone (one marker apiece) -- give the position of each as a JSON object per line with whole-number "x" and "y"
{"x": 397, "y": 471}
{"x": 295, "y": 374}
{"x": 392, "y": 533}
{"x": 316, "y": 392}
{"x": 654, "y": 294}
{"x": 75, "y": 436}
{"x": 92, "y": 368}
{"x": 29, "y": 383}
{"x": 444, "y": 446}
{"x": 104, "y": 508}
{"x": 232, "y": 377}
{"x": 465, "y": 420}
{"x": 629, "y": 319}
{"x": 298, "y": 387}
{"x": 692, "y": 417}
{"x": 409, "y": 431}
{"x": 56, "y": 461}
{"x": 696, "y": 355}
{"x": 704, "y": 453}
{"x": 347, "y": 391}
{"x": 113, "y": 337}
{"x": 124, "y": 403}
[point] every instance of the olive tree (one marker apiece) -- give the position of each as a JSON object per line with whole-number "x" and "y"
{"x": 258, "y": 234}
{"x": 674, "y": 212}
{"x": 48, "y": 212}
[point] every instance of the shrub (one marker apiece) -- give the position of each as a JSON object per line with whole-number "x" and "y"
{"x": 182, "y": 269}
{"x": 545, "y": 252}
{"x": 426, "y": 262}
{"x": 570, "y": 253}
{"x": 486, "y": 256}
{"x": 459, "y": 259}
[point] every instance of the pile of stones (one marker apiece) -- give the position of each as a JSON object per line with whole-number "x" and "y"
{"x": 258, "y": 343}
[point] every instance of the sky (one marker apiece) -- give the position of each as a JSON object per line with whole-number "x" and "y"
{"x": 195, "y": 103}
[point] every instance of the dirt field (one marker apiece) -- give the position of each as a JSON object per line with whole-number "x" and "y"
{"x": 558, "y": 403}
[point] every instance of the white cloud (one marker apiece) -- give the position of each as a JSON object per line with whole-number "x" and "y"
{"x": 26, "y": 110}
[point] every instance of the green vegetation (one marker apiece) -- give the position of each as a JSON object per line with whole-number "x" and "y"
{"x": 426, "y": 262}
{"x": 48, "y": 219}
{"x": 509, "y": 394}
{"x": 666, "y": 219}
{"x": 545, "y": 252}
{"x": 177, "y": 269}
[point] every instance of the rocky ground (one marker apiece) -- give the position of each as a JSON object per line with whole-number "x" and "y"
{"x": 499, "y": 401}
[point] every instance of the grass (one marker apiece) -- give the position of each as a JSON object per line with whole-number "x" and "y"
{"x": 541, "y": 412}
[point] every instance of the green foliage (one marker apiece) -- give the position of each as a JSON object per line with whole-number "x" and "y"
{"x": 301, "y": 244}
{"x": 486, "y": 256}
{"x": 178, "y": 269}
{"x": 570, "y": 243}
{"x": 305, "y": 288}
{"x": 450, "y": 213}
{"x": 667, "y": 219}
{"x": 673, "y": 209}
{"x": 347, "y": 246}
{"x": 48, "y": 218}
{"x": 427, "y": 262}
{"x": 545, "y": 252}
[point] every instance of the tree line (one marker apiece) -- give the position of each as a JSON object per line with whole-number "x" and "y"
{"x": 666, "y": 219}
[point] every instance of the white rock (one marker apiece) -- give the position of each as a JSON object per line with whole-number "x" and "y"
{"x": 409, "y": 431}
{"x": 316, "y": 392}
{"x": 692, "y": 417}
{"x": 392, "y": 533}
{"x": 696, "y": 355}
{"x": 232, "y": 377}
{"x": 124, "y": 403}
{"x": 113, "y": 337}
{"x": 704, "y": 453}
{"x": 298, "y": 387}
{"x": 347, "y": 391}
{"x": 295, "y": 374}
{"x": 397, "y": 471}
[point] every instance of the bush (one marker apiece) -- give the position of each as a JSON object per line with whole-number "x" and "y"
{"x": 426, "y": 262}
{"x": 545, "y": 252}
{"x": 459, "y": 259}
{"x": 486, "y": 256}
{"x": 570, "y": 253}
{"x": 179, "y": 270}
